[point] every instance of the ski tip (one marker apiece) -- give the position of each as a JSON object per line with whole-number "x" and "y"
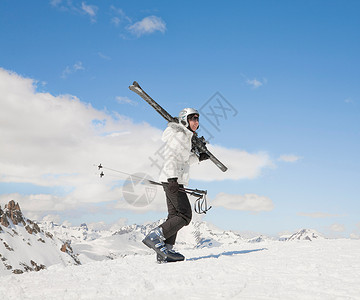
{"x": 135, "y": 84}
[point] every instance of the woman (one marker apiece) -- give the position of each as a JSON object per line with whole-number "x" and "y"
{"x": 175, "y": 175}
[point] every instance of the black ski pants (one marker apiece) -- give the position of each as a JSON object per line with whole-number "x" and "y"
{"x": 179, "y": 214}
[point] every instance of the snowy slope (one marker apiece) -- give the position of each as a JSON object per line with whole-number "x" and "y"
{"x": 323, "y": 269}
{"x": 219, "y": 264}
{"x": 25, "y": 247}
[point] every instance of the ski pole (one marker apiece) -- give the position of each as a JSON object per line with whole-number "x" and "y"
{"x": 200, "y": 205}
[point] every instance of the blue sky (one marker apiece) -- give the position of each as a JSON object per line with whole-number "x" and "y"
{"x": 289, "y": 70}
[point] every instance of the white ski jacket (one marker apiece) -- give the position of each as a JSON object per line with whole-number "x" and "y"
{"x": 177, "y": 153}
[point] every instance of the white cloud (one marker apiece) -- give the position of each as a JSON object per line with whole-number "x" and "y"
{"x": 90, "y": 10}
{"x": 57, "y": 141}
{"x": 337, "y": 227}
{"x": 78, "y": 66}
{"x": 120, "y": 16}
{"x": 289, "y": 158}
{"x": 55, "y": 2}
{"x": 52, "y": 218}
{"x": 54, "y": 141}
{"x": 247, "y": 202}
{"x": 255, "y": 83}
{"x": 116, "y": 21}
{"x": 241, "y": 165}
{"x": 73, "y": 6}
{"x": 103, "y": 56}
{"x": 148, "y": 25}
{"x": 125, "y": 100}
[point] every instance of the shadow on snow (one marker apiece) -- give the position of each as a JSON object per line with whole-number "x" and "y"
{"x": 228, "y": 253}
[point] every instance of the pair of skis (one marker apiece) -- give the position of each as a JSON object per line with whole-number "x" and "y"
{"x": 198, "y": 143}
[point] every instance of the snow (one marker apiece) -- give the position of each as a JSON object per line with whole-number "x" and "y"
{"x": 219, "y": 265}
{"x": 322, "y": 269}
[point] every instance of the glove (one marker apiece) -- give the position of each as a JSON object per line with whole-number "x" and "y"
{"x": 173, "y": 185}
{"x": 203, "y": 156}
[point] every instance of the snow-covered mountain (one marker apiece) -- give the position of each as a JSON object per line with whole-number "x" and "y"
{"x": 73, "y": 233}
{"x": 305, "y": 234}
{"x": 95, "y": 245}
{"x": 25, "y": 247}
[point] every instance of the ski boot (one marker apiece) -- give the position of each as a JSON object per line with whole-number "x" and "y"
{"x": 172, "y": 256}
{"x": 155, "y": 240}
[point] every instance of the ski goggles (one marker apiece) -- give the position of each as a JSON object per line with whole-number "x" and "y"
{"x": 194, "y": 118}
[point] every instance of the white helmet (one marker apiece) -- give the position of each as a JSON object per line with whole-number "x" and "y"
{"x": 183, "y": 115}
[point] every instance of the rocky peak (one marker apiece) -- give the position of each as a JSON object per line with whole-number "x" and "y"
{"x": 24, "y": 246}
{"x": 12, "y": 206}
{"x": 11, "y": 212}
